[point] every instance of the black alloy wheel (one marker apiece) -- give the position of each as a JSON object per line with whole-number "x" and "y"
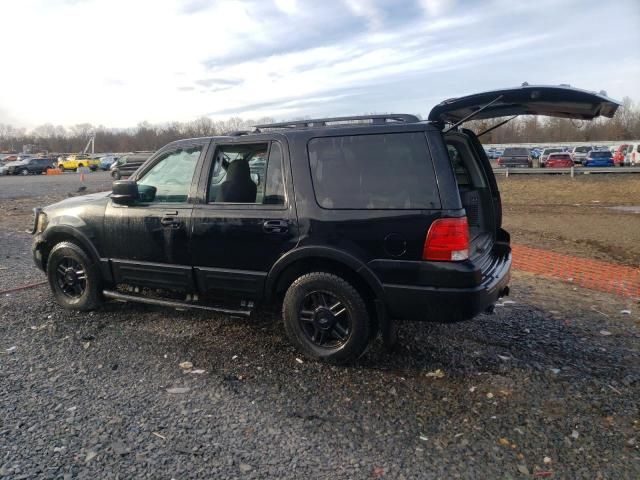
{"x": 325, "y": 320}
{"x": 74, "y": 278}
{"x": 71, "y": 278}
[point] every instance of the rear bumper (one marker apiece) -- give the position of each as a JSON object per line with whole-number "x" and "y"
{"x": 452, "y": 303}
{"x": 514, "y": 165}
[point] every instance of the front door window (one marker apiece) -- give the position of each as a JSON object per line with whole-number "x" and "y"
{"x": 169, "y": 180}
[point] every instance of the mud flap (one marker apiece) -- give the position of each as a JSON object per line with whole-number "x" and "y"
{"x": 388, "y": 328}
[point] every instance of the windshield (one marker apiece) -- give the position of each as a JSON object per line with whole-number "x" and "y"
{"x": 582, "y": 149}
{"x": 602, "y": 154}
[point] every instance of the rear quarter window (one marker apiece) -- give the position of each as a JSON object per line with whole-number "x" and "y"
{"x": 386, "y": 171}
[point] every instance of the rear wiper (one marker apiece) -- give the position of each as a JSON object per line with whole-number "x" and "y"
{"x": 472, "y": 114}
{"x": 496, "y": 126}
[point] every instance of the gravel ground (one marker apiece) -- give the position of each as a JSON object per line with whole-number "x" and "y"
{"x": 547, "y": 387}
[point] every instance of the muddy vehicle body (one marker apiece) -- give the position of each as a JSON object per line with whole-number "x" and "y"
{"x": 347, "y": 224}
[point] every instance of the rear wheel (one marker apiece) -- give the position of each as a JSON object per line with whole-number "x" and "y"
{"x": 24, "y": 172}
{"x": 73, "y": 277}
{"x": 326, "y": 318}
{"x": 115, "y": 174}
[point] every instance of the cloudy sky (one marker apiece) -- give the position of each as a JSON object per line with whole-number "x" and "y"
{"x": 119, "y": 62}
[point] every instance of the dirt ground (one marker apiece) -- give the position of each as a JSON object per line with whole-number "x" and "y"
{"x": 574, "y": 215}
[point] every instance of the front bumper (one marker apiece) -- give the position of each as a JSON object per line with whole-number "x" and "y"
{"x": 479, "y": 289}
{"x": 36, "y": 251}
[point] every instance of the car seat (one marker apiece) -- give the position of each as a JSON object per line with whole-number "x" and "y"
{"x": 238, "y": 186}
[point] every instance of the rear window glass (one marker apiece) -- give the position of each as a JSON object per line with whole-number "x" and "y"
{"x": 582, "y": 149}
{"x": 389, "y": 171}
{"x": 559, "y": 156}
{"x": 603, "y": 154}
{"x": 515, "y": 151}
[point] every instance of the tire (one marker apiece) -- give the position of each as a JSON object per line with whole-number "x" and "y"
{"x": 24, "y": 172}
{"x": 66, "y": 256}
{"x": 326, "y": 318}
{"x": 116, "y": 175}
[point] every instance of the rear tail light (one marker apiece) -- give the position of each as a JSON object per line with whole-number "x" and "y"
{"x": 499, "y": 160}
{"x": 447, "y": 240}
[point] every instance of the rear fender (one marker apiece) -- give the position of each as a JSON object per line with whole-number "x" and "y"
{"x": 315, "y": 252}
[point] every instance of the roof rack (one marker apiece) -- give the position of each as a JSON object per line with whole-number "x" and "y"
{"x": 324, "y": 122}
{"x": 239, "y": 133}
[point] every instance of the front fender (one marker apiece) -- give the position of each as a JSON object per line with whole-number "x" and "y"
{"x": 57, "y": 233}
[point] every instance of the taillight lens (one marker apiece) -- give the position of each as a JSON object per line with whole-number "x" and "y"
{"x": 499, "y": 160}
{"x": 447, "y": 240}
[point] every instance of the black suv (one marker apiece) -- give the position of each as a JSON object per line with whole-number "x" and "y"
{"x": 348, "y": 223}
{"x": 30, "y": 166}
{"x": 128, "y": 164}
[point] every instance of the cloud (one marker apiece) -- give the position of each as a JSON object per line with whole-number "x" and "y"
{"x": 218, "y": 82}
{"x": 195, "y": 6}
{"x": 286, "y": 58}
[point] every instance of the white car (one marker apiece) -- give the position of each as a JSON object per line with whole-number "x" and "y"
{"x": 632, "y": 156}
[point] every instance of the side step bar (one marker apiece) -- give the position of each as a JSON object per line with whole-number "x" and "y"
{"x": 123, "y": 297}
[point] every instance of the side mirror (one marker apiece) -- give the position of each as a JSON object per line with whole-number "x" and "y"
{"x": 124, "y": 192}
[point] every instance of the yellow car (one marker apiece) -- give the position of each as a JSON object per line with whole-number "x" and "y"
{"x": 73, "y": 162}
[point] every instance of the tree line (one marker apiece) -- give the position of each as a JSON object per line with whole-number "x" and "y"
{"x": 625, "y": 125}
{"x": 527, "y": 129}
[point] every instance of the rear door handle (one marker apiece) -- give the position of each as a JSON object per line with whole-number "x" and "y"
{"x": 275, "y": 226}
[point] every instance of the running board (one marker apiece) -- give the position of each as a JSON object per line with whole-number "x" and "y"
{"x": 123, "y": 297}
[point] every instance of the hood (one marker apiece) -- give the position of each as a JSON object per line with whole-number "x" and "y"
{"x": 553, "y": 101}
{"x": 78, "y": 201}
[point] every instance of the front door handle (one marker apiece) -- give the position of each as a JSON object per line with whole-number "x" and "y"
{"x": 275, "y": 226}
{"x": 171, "y": 222}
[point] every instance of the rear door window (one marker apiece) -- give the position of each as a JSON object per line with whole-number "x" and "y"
{"x": 385, "y": 171}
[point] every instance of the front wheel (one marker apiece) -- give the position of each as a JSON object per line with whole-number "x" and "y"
{"x": 74, "y": 278}
{"x": 24, "y": 172}
{"x": 326, "y": 318}
{"x": 115, "y": 174}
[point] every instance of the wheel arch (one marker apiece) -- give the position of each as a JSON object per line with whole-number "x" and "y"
{"x": 306, "y": 259}
{"x": 64, "y": 233}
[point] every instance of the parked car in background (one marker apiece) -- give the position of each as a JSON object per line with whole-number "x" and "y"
{"x": 535, "y": 152}
{"x": 12, "y": 157}
{"x": 30, "y": 166}
{"x": 545, "y": 154}
{"x": 578, "y": 154}
{"x": 598, "y": 158}
{"x": 559, "y": 160}
{"x": 493, "y": 153}
{"x": 106, "y": 161}
{"x": 632, "y": 156}
{"x": 127, "y": 164}
{"x": 619, "y": 154}
{"x": 73, "y": 162}
{"x": 5, "y": 166}
{"x": 515, "y": 157}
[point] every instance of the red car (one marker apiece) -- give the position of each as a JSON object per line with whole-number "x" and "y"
{"x": 559, "y": 160}
{"x": 619, "y": 154}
